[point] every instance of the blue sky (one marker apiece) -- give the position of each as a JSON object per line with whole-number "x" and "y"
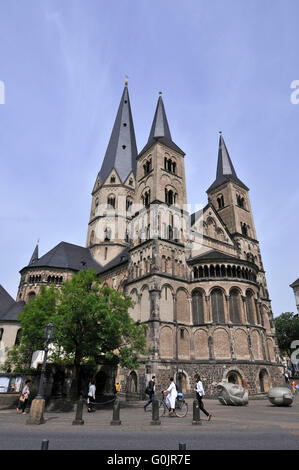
{"x": 222, "y": 65}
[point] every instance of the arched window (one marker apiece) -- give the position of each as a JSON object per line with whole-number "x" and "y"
{"x": 1, "y": 333}
{"x": 111, "y": 202}
{"x": 220, "y": 200}
{"x": 129, "y": 203}
{"x": 197, "y": 308}
{"x": 31, "y": 296}
{"x": 107, "y": 234}
{"x": 217, "y": 306}
{"x": 234, "y": 306}
{"x": 250, "y": 307}
{"x": 18, "y": 337}
{"x": 112, "y": 179}
{"x": 91, "y": 237}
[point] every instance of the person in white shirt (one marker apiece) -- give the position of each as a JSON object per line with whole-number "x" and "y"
{"x": 91, "y": 396}
{"x": 199, "y": 394}
{"x": 171, "y": 395}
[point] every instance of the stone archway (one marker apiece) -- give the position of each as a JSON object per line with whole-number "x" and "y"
{"x": 264, "y": 381}
{"x": 182, "y": 382}
{"x": 234, "y": 377}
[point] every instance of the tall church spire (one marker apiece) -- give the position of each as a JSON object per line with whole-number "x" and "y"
{"x": 121, "y": 152}
{"x": 225, "y": 167}
{"x": 160, "y": 129}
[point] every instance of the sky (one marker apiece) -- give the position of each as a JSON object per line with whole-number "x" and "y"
{"x": 222, "y": 65}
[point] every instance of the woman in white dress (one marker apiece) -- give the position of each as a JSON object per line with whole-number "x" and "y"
{"x": 171, "y": 395}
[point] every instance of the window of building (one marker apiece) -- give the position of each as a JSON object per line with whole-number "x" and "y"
{"x": 220, "y": 201}
{"x": 111, "y": 202}
{"x": 217, "y": 306}
{"x": 197, "y": 308}
{"x": 112, "y": 179}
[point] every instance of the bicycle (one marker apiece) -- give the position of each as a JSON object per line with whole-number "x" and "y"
{"x": 181, "y": 407}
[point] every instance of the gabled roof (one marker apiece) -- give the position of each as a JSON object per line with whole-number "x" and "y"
{"x": 13, "y": 312}
{"x": 6, "y": 301}
{"x": 121, "y": 152}
{"x": 160, "y": 130}
{"x": 213, "y": 255}
{"x": 67, "y": 256}
{"x": 225, "y": 168}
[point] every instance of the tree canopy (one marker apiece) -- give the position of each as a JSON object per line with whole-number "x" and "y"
{"x": 287, "y": 331}
{"x": 91, "y": 322}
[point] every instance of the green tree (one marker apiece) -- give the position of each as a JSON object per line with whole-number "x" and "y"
{"x": 287, "y": 330}
{"x": 91, "y": 321}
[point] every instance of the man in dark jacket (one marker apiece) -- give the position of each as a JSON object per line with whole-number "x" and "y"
{"x": 151, "y": 387}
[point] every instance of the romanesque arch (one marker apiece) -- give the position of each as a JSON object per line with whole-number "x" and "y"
{"x": 183, "y": 312}
{"x": 166, "y": 342}
{"x": 256, "y": 345}
{"x": 135, "y": 310}
{"x": 201, "y": 346}
{"x": 241, "y": 344}
{"x": 166, "y": 303}
{"x": 197, "y": 307}
{"x": 221, "y": 344}
{"x": 183, "y": 343}
{"x": 235, "y": 305}
{"x": 217, "y": 305}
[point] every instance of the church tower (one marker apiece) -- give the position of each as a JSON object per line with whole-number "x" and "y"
{"x": 114, "y": 189}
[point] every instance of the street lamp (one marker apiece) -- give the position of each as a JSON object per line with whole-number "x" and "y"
{"x": 36, "y": 415}
{"x": 49, "y": 336}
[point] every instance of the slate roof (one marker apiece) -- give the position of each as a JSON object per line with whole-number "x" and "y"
{"x": 6, "y": 301}
{"x": 160, "y": 130}
{"x": 121, "y": 152}
{"x": 9, "y": 308}
{"x": 295, "y": 283}
{"x": 225, "y": 168}
{"x": 213, "y": 255}
{"x": 67, "y": 256}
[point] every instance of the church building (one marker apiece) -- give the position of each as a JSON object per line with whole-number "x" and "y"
{"x": 197, "y": 279}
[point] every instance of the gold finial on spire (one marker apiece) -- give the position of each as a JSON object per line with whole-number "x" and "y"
{"x": 126, "y": 80}
{"x": 160, "y": 93}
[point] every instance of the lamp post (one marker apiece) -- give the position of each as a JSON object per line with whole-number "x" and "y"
{"x": 36, "y": 415}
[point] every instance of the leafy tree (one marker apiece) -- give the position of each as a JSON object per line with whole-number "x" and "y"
{"x": 287, "y": 330}
{"x": 91, "y": 321}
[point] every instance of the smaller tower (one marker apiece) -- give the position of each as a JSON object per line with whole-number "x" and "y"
{"x": 230, "y": 196}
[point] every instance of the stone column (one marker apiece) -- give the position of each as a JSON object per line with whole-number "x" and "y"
{"x": 244, "y": 310}
{"x": 155, "y": 294}
{"x": 226, "y": 309}
{"x": 208, "y": 308}
{"x": 232, "y": 343}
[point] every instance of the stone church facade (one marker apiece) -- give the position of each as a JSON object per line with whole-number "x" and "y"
{"x": 197, "y": 280}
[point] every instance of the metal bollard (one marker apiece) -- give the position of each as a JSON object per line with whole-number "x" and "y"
{"x": 79, "y": 412}
{"x": 155, "y": 413}
{"x": 45, "y": 444}
{"x": 116, "y": 410}
{"x": 182, "y": 446}
{"x": 196, "y": 413}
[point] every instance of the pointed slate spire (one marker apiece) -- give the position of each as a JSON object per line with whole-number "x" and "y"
{"x": 160, "y": 129}
{"x": 121, "y": 152}
{"x": 34, "y": 256}
{"x": 225, "y": 167}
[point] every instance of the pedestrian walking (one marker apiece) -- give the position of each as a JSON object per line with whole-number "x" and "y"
{"x": 293, "y": 384}
{"x": 171, "y": 395}
{"x": 91, "y": 396}
{"x": 286, "y": 377}
{"x": 150, "y": 389}
{"x": 23, "y": 399}
{"x": 199, "y": 395}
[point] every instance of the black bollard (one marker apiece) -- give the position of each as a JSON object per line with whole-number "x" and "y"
{"x": 79, "y": 412}
{"x": 116, "y": 410}
{"x": 182, "y": 446}
{"x": 155, "y": 413}
{"x": 45, "y": 444}
{"x": 196, "y": 413}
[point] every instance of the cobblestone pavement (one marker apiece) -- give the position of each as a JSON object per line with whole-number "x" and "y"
{"x": 259, "y": 425}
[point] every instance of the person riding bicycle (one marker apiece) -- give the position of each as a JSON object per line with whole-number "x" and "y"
{"x": 171, "y": 395}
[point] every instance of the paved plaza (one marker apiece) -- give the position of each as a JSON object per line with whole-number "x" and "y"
{"x": 258, "y": 426}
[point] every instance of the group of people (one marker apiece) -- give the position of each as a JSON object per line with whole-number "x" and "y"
{"x": 172, "y": 393}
